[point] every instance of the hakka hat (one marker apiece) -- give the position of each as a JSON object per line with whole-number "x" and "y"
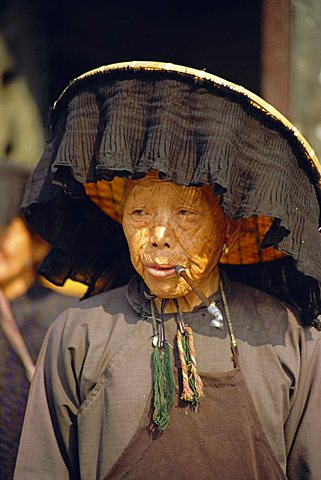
{"x": 123, "y": 120}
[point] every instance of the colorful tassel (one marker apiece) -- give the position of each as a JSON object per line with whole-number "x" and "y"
{"x": 192, "y": 390}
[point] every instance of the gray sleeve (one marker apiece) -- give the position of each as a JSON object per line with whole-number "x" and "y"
{"x": 303, "y": 427}
{"x": 48, "y": 446}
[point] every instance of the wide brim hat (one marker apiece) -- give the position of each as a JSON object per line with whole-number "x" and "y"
{"x": 123, "y": 120}
{"x": 13, "y": 179}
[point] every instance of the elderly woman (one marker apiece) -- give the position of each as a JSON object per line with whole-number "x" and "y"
{"x": 180, "y": 371}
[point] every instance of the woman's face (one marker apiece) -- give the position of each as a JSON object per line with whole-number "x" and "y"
{"x": 167, "y": 225}
{"x": 15, "y": 251}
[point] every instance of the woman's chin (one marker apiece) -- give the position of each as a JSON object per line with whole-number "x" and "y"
{"x": 166, "y": 288}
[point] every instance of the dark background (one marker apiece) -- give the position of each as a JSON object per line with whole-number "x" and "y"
{"x": 55, "y": 41}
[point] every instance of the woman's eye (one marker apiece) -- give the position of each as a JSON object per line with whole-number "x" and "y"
{"x": 184, "y": 212}
{"x": 138, "y": 212}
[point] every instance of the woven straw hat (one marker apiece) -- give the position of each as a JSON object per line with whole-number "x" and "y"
{"x": 122, "y": 120}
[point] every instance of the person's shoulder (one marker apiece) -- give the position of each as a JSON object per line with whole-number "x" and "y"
{"x": 273, "y": 315}
{"x": 252, "y": 297}
{"x": 111, "y": 301}
{"x": 265, "y": 314}
{"x": 96, "y": 316}
{"x": 95, "y": 330}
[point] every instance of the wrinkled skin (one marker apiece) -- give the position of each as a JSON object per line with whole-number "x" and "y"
{"x": 167, "y": 225}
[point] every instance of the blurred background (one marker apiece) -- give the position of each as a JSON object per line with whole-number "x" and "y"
{"x": 272, "y": 47}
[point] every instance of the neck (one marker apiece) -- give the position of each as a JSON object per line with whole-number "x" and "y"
{"x": 208, "y": 286}
{"x": 19, "y": 286}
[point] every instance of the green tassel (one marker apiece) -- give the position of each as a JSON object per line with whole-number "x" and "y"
{"x": 164, "y": 386}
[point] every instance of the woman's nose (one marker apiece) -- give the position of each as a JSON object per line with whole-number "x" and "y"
{"x": 161, "y": 236}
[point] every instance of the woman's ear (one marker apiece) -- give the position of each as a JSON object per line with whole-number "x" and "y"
{"x": 233, "y": 229}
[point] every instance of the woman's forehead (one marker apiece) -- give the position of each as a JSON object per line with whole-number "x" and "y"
{"x": 151, "y": 186}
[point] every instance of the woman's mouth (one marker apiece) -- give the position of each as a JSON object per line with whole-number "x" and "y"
{"x": 160, "y": 271}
